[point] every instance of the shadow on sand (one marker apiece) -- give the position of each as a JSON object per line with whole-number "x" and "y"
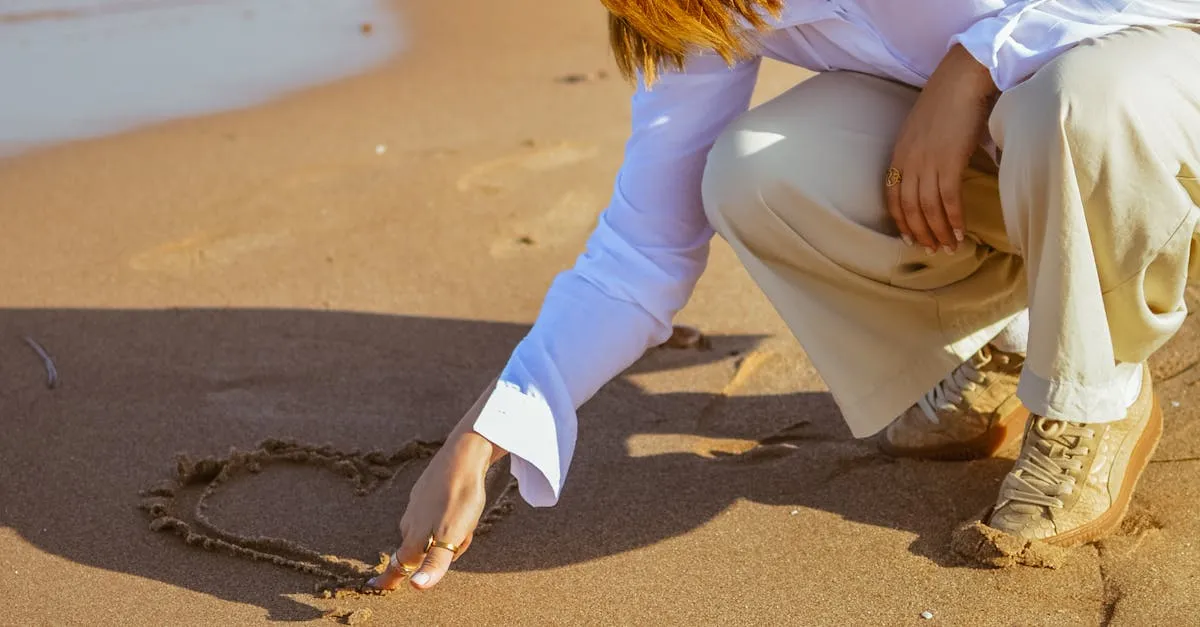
{"x": 137, "y": 387}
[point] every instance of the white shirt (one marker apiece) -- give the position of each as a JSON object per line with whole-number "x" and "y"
{"x": 651, "y": 243}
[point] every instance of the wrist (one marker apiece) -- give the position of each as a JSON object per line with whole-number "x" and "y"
{"x": 969, "y": 73}
{"x": 470, "y": 445}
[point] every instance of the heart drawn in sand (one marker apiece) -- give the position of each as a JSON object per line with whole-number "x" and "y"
{"x": 367, "y": 472}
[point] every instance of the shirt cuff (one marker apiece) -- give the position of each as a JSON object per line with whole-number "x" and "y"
{"x": 523, "y": 424}
{"x": 1019, "y": 41}
{"x": 982, "y": 42}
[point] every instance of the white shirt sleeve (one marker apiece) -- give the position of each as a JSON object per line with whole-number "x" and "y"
{"x": 1023, "y": 36}
{"x": 640, "y": 267}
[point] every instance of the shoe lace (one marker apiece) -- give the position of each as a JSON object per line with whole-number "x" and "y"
{"x": 948, "y": 393}
{"x": 1048, "y": 468}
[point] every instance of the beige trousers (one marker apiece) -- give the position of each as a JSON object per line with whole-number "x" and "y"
{"x": 1092, "y": 221}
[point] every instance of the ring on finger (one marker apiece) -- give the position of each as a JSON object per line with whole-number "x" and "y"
{"x": 433, "y": 543}
{"x": 404, "y": 568}
{"x": 893, "y": 177}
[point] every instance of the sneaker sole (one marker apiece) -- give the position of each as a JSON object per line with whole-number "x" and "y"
{"x": 1111, "y": 519}
{"x": 1007, "y": 430}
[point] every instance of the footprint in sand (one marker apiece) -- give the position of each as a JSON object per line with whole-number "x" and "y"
{"x": 496, "y": 175}
{"x": 567, "y": 221}
{"x": 205, "y": 249}
{"x": 298, "y": 198}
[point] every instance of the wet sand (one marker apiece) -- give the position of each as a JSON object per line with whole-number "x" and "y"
{"x": 267, "y": 273}
{"x": 86, "y": 68}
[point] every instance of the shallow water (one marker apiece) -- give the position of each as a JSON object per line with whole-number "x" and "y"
{"x": 73, "y": 69}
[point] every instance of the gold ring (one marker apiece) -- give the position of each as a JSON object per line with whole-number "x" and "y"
{"x": 404, "y": 568}
{"x": 893, "y": 177}
{"x": 438, "y": 544}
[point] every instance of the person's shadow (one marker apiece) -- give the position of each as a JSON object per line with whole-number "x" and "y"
{"x": 137, "y": 387}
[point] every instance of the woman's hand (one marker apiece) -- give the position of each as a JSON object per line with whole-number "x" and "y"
{"x": 445, "y": 504}
{"x": 937, "y": 140}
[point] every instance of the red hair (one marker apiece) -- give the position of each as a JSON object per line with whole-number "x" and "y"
{"x": 652, "y": 35}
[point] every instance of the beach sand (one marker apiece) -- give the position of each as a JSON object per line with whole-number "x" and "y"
{"x": 268, "y": 273}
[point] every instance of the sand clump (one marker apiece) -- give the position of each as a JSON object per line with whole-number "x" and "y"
{"x": 984, "y": 545}
{"x": 685, "y": 337}
{"x": 350, "y": 617}
{"x": 340, "y": 577}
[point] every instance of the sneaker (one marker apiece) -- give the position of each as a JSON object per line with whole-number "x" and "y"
{"x": 971, "y": 414}
{"x": 1073, "y": 481}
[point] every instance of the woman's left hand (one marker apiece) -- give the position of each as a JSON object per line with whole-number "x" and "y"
{"x": 937, "y": 140}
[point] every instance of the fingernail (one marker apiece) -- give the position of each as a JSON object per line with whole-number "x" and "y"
{"x": 907, "y": 239}
{"x": 420, "y": 579}
{"x": 949, "y": 251}
{"x": 373, "y": 582}
{"x": 959, "y": 235}
{"x": 929, "y": 251}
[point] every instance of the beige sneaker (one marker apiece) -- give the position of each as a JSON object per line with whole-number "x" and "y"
{"x": 1073, "y": 481}
{"x": 972, "y": 413}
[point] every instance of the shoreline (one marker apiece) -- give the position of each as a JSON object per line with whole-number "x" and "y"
{"x": 98, "y": 70}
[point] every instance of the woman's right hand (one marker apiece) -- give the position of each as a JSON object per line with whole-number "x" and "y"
{"x": 445, "y": 503}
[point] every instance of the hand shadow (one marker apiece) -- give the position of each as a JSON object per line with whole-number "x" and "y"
{"x": 137, "y": 387}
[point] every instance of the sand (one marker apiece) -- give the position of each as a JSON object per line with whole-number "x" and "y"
{"x": 978, "y": 543}
{"x": 209, "y": 284}
{"x": 368, "y": 472}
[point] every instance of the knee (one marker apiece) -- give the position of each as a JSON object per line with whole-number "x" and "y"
{"x": 1085, "y": 98}
{"x": 819, "y": 149}
{"x": 1066, "y": 126}
{"x": 759, "y": 177}
{"x": 1052, "y": 107}
{"x": 734, "y": 179}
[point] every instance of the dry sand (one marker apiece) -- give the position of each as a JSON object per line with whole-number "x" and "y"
{"x": 212, "y": 283}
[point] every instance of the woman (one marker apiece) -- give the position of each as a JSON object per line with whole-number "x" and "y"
{"x": 955, "y": 162}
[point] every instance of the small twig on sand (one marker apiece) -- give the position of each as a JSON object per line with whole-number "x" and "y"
{"x": 51, "y": 371}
